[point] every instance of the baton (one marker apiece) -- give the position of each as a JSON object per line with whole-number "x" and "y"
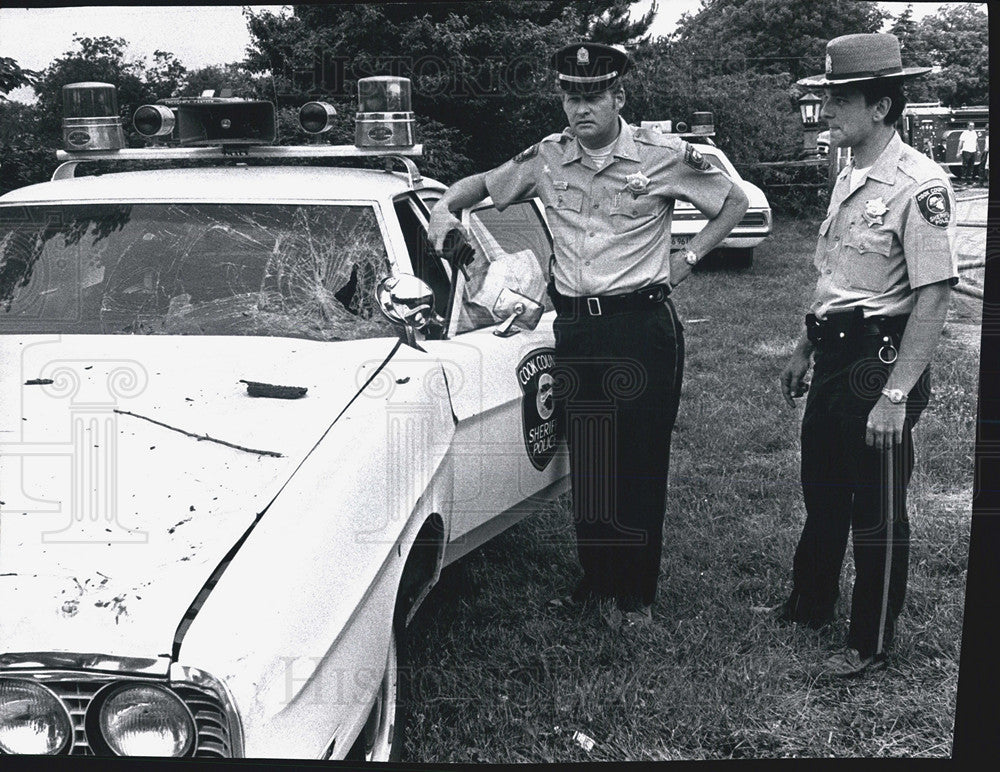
{"x": 888, "y": 477}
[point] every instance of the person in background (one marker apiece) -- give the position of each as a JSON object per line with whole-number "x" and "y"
{"x": 984, "y": 161}
{"x": 968, "y": 145}
{"x": 886, "y": 259}
{"x": 609, "y": 190}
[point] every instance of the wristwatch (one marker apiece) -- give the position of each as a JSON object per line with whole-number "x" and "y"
{"x": 689, "y": 257}
{"x": 895, "y": 396}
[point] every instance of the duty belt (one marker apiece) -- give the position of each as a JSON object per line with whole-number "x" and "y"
{"x": 608, "y": 305}
{"x": 849, "y": 327}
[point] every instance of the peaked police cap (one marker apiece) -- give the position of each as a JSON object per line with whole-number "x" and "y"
{"x": 589, "y": 68}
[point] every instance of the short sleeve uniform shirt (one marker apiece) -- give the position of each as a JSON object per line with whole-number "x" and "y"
{"x": 610, "y": 226}
{"x": 891, "y": 234}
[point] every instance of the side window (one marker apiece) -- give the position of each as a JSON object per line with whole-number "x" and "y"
{"x": 513, "y": 252}
{"x": 426, "y": 264}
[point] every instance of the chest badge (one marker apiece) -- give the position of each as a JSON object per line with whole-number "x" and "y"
{"x": 636, "y": 184}
{"x": 875, "y": 210}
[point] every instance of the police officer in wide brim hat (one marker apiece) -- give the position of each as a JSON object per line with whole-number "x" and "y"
{"x": 862, "y": 57}
{"x": 886, "y": 263}
{"x": 589, "y": 68}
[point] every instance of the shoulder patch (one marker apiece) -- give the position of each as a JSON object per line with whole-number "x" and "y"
{"x": 935, "y": 205}
{"x": 524, "y": 155}
{"x": 695, "y": 160}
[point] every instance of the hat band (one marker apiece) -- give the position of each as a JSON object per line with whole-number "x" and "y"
{"x": 588, "y": 78}
{"x": 865, "y": 74}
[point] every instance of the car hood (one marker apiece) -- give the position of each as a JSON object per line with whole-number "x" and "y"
{"x": 136, "y": 464}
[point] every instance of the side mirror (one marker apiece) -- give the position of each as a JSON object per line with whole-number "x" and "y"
{"x": 406, "y": 300}
{"x": 516, "y": 309}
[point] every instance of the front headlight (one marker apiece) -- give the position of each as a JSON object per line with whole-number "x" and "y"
{"x": 32, "y": 719}
{"x": 143, "y": 720}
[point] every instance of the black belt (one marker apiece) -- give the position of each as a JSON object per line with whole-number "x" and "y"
{"x": 608, "y": 305}
{"x": 850, "y": 326}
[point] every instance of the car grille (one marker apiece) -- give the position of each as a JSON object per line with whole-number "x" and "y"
{"x": 210, "y": 719}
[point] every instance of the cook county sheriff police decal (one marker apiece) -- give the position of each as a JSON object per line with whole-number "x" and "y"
{"x": 541, "y": 430}
{"x": 934, "y": 205}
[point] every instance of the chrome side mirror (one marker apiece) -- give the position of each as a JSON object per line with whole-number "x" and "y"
{"x": 404, "y": 299}
{"x": 515, "y": 309}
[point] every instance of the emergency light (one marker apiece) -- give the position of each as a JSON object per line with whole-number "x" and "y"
{"x": 154, "y": 120}
{"x": 316, "y": 117}
{"x": 90, "y": 117}
{"x": 384, "y": 118}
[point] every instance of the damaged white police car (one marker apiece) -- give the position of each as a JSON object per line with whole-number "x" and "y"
{"x": 246, "y": 416}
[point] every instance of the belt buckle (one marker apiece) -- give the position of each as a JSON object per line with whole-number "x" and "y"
{"x": 594, "y": 306}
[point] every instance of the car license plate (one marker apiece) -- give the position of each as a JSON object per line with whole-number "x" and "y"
{"x": 679, "y": 242}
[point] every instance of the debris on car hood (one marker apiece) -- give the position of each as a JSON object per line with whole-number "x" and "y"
{"x": 258, "y": 389}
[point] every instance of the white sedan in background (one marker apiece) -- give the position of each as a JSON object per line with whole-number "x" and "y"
{"x": 738, "y": 247}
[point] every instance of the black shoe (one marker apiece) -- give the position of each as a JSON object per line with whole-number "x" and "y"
{"x": 784, "y": 613}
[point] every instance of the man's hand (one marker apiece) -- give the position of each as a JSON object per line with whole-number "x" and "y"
{"x": 442, "y": 223}
{"x": 792, "y": 377}
{"x": 885, "y": 424}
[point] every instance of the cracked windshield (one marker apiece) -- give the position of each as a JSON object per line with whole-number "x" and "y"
{"x": 192, "y": 269}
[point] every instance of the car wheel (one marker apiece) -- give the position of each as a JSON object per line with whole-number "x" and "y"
{"x": 381, "y": 738}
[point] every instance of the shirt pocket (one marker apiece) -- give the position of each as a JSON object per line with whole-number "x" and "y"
{"x": 631, "y": 215}
{"x": 865, "y": 261}
{"x": 566, "y": 200}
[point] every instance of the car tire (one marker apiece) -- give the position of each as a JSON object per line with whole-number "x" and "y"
{"x": 381, "y": 738}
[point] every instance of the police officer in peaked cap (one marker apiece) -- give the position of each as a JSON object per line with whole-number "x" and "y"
{"x": 609, "y": 191}
{"x": 886, "y": 261}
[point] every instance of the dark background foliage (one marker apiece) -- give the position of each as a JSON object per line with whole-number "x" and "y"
{"x": 482, "y": 86}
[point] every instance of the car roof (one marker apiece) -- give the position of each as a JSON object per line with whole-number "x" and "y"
{"x": 226, "y": 183}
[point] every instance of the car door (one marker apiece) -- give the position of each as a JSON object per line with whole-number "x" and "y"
{"x": 507, "y": 452}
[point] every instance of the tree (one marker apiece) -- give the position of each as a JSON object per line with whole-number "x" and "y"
{"x": 479, "y": 68}
{"x": 166, "y": 75}
{"x": 955, "y": 41}
{"x": 12, "y": 76}
{"x": 233, "y": 76}
{"x": 770, "y": 36}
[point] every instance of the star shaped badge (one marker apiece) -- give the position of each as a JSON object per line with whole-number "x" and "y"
{"x": 636, "y": 184}
{"x": 875, "y": 209}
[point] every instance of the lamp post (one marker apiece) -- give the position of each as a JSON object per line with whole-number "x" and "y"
{"x": 809, "y": 112}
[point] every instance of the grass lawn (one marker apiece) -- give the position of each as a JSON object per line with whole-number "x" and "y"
{"x": 502, "y": 675}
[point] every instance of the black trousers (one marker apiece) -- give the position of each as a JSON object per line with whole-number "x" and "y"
{"x": 845, "y": 484}
{"x": 618, "y": 389}
{"x": 968, "y": 165}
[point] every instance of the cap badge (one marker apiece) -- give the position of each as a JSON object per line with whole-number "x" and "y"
{"x": 875, "y": 209}
{"x": 829, "y": 64}
{"x": 582, "y": 56}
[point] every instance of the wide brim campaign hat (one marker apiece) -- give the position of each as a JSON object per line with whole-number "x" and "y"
{"x": 855, "y": 58}
{"x": 589, "y": 68}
